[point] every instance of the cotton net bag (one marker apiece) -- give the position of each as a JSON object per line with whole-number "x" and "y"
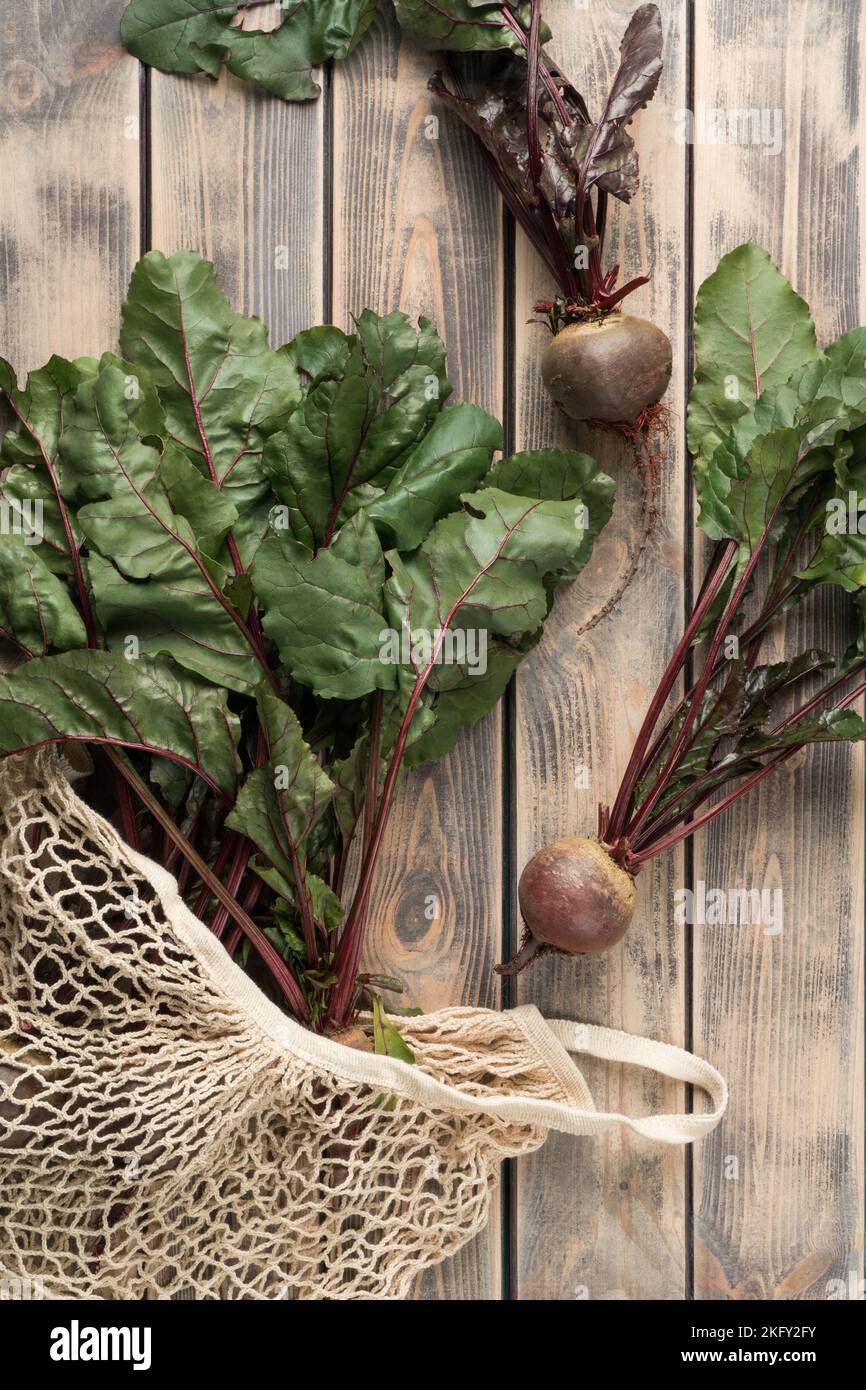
{"x": 165, "y": 1130}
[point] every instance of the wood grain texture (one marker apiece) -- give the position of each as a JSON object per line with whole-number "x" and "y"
{"x": 69, "y": 195}
{"x": 239, "y": 176}
{"x": 779, "y": 1187}
{"x": 605, "y": 1219}
{"x": 417, "y": 226}
{"x": 243, "y": 178}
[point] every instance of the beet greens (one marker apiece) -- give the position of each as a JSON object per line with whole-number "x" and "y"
{"x": 206, "y": 36}
{"x": 259, "y": 584}
{"x": 778, "y": 434}
{"x": 554, "y": 165}
{"x": 556, "y": 168}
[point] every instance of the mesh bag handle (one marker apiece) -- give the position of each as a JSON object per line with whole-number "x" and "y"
{"x": 552, "y": 1040}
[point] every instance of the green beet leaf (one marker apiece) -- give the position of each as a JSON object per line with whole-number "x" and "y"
{"x": 266, "y": 582}
{"x": 752, "y": 331}
{"x": 325, "y": 612}
{"x": 371, "y": 429}
{"x": 98, "y": 697}
{"x": 224, "y": 390}
{"x": 189, "y": 36}
{"x": 36, "y": 608}
{"x": 461, "y": 26}
{"x": 485, "y": 566}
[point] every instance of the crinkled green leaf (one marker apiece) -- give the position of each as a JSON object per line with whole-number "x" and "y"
{"x": 326, "y": 906}
{"x": 256, "y": 814}
{"x": 465, "y": 608}
{"x": 282, "y": 60}
{"x": 560, "y": 475}
{"x": 303, "y": 789}
{"x": 840, "y": 557}
{"x": 28, "y": 499}
{"x": 461, "y": 26}
{"x": 150, "y": 580}
{"x": 189, "y": 36}
{"x": 99, "y": 697}
{"x": 223, "y": 389}
{"x": 320, "y": 351}
{"x": 30, "y": 451}
{"x": 209, "y": 511}
{"x": 452, "y": 458}
{"x": 285, "y": 936}
{"x": 838, "y": 372}
{"x": 279, "y": 804}
{"x": 176, "y": 615}
{"x": 549, "y": 474}
{"x": 484, "y": 566}
{"x": 316, "y": 461}
{"x": 752, "y": 331}
{"x": 38, "y": 410}
{"x": 35, "y": 605}
{"x": 461, "y": 706}
{"x": 739, "y": 495}
{"x": 325, "y": 611}
{"x": 108, "y": 412}
{"x": 160, "y": 32}
{"x": 393, "y": 345}
{"x": 369, "y": 405}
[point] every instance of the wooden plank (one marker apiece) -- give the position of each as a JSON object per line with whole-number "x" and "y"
{"x": 779, "y": 1188}
{"x": 238, "y": 175}
{"x": 69, "y": 207}
{"x": 605, "y": 1219}
{"x": 417, "y": 226}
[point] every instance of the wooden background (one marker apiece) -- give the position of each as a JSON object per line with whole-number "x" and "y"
{"x": 313, "y": 212}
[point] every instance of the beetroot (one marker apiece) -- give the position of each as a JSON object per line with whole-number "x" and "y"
{"x": 609, "y": 369}
{"x": 557, "y": 165}
{"x": 770, "y": 472}
{"x": 574, "y": 899}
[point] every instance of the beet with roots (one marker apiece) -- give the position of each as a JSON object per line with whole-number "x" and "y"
{"x": 609, "y": 369}
{"x": 574, "y": 899}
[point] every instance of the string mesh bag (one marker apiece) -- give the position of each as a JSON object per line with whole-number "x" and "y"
{"x": 166, "y": 1131}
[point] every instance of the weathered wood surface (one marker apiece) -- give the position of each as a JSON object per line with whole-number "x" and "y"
{"x": 70, "y": 198}
{"x": 402, "y": 240}
{"x": 779, "y": 1188}
{"x": 606, "y": 1220}
{"x": 358, "y": 200}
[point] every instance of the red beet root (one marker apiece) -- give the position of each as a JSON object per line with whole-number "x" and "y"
{"x": 611, "y": 369}
{"x": 574, "y": 899}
